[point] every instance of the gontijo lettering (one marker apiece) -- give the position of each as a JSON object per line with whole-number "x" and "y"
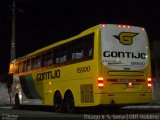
{"x": 122, "y": 54}
{"x": 48, "y": 75}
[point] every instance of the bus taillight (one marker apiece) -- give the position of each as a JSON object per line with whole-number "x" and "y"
{"x": 149, "y": 82}
{"x": 100, "y": 82}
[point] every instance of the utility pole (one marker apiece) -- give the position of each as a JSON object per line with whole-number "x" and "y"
{"x": 13, "y": 39}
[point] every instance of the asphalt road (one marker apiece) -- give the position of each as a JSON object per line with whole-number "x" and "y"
{"x": 8, "y": 113}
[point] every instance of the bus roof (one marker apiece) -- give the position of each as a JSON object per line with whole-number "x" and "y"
{"x": 85, "y": 32}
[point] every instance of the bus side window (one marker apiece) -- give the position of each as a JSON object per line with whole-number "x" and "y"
{"x": 43, "y": 60}
{"x": 63, "y": 59}
{"x": 63, "y": 54}
{"x": 24, "y": 66}
{"x": 89, "y": 44}
{"x": 33, "y": 63}
{"x": 48, "y": 59}
{"x": 89, "y": 48}
{"x": 77, "y": 54}
{"x": 82, "y": 48}
{"x": 60, "y": 55}
{"x": 38, "y": 62}
{"x": 90, "y": 52}
{"x": 28, "y": 65}
{"x": 56, "y": 59}
{"x": 77, "y": 50}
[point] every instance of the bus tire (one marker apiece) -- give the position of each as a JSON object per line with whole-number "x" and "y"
{"x": 69, "y": 102}
{"x": 58, "y": 102}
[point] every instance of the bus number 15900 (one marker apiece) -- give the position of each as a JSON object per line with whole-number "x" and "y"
{"x": 83, "y": 69}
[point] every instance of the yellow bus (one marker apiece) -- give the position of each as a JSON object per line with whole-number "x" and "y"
{"x": 108, "y": 64}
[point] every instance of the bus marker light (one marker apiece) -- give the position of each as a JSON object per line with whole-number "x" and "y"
{"x": 124, "y": 26}
{"x": 103, "y": 25}
{"x": 142, "y": 28}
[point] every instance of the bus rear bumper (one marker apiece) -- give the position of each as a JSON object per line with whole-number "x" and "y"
{"x": 126, "y": 98}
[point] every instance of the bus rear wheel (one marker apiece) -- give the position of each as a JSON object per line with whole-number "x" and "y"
{"x": 58, "y": 103}
{"x": 69, "y": 103}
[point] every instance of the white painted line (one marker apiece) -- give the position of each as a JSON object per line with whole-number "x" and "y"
{"x": 6, "y": 107}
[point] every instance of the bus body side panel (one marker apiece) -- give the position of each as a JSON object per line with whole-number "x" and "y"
{"x": 78, "y": 78}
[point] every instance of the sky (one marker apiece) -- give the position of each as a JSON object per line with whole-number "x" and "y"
{"x": 43, "y": 22}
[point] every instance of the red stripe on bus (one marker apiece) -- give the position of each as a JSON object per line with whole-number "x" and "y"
{"x": 126, "y": 80}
